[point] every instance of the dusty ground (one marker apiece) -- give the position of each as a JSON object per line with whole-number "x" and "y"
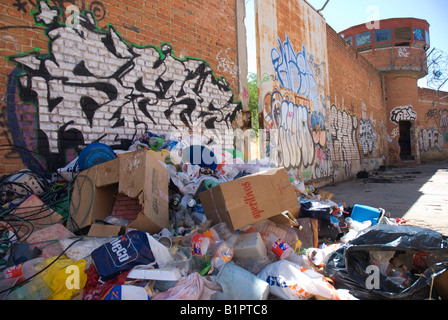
{"x": 416, "y": 193}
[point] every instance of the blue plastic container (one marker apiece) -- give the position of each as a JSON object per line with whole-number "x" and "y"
{"x": 93, "y": 154}
{"x": 363, "y": 213}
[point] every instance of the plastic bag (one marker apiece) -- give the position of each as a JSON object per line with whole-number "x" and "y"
{"x": 65, "y": 277}
{"x": 96, "y": 289}
{"x": 348, "y": 266}
{"x": 192, "y": 287}
{"x": 70, "y": 170}
{"x": 289, "y": 281}
{"x": 81, "y": 249}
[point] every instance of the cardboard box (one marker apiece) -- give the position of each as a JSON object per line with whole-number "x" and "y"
{"x": 136, "y": 174}
{"x": 250, "y": 199}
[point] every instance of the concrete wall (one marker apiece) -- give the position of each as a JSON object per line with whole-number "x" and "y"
{"x": 111, "y": 70}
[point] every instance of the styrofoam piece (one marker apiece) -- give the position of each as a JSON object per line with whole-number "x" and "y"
{"x": 171, "y": 274}
{"x": 250, "y": 245}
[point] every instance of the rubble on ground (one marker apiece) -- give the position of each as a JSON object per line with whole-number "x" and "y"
{"x": 175, "y": 220}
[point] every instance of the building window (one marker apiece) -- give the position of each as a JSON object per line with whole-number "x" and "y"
{"x": 419, "y": 34}
{"x": 383, "y": 35}
{"x": 427, "y": 37}
{"x": 362, "y": 39}
{"x": 403, "y": 34}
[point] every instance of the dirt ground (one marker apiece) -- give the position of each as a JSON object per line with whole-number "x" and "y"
{"x": 417, "y": 193}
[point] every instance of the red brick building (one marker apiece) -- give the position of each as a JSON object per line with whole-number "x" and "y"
{"x": 398, "y": 49}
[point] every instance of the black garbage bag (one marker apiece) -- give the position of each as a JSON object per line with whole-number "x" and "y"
{"x": 348, "y": 266}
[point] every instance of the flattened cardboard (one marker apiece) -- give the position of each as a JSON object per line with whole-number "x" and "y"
{"x": 250, "y": 199}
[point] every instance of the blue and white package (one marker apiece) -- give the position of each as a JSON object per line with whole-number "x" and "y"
{"x": 126, "y": 292}
{"x": 122, "y": 254}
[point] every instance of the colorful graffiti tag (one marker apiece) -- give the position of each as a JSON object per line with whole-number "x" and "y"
{"x": 295, "y": 113}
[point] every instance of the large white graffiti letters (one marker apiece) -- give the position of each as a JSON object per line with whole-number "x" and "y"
{"x": 367, "y": 136}
{"x": 430, "y": 139}
{"x": 344, "y": 140}
{"x": 96, "y": 83}
{"x": 289, "y": 131}
{"x": 405, "y": 113}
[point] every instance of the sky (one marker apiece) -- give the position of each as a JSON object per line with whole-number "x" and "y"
{"x": 343, "y": 14}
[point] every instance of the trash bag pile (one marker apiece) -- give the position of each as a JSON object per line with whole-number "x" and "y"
{"x": 318, "y": 250}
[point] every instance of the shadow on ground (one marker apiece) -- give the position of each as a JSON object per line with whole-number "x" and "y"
{"x": 417, "y": 193}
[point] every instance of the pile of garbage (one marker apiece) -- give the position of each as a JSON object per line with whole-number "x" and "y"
{"x": 159, "y": 222}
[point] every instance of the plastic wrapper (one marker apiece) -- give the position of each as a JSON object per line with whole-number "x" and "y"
{"x": 83, "y": 248}
{"x": 289, "y": 281}
{"x": 348, "y": 265}
{"x": 96, "y": 289}
{"x": 192, "y": 287}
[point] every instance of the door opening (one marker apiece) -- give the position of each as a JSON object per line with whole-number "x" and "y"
{"x": 405, "y": 140}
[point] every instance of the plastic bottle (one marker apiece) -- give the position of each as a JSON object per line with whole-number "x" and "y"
{"x": 417, "y": 261}
{"x": 424, "y": 260}
{"x": 298, "y": 259}
{"x": 200, "y": 244}
{"x": 185, "y": 201}
{"x": 36, "y": 289}
{"x": 21, "y": 271}
{"x": 223, "y": 251}
{"x": 287, "y": 234}
{"x": 279, "y": 247}
{"x": 15, "y": 275}
{"x": 220, "y": 231}
{"x": 6, "y": 285}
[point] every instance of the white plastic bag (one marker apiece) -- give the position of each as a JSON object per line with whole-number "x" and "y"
{"x": 289, "y": 281}
{"x": 70, "y": 170}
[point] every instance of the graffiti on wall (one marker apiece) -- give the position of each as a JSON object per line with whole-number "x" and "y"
{"x": 430, "y": 139}
{"x": 96, "y": 87}
{"x": 434, "y": 138}
{"x": 405, "y": 113}
{"x": 295, "y": 114}
{"x": 290, "y": 136}
{"x": 96, "y": 7}
{"x": 344, "y": 140}
{"x": 294, "y": 70}
{"x": 225, "y": 63}
{"x": 367, "y": 136}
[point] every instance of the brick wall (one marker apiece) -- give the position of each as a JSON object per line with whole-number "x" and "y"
{"x": 357, "y": 115}
{"x": 432, "y": 125}
{"x": 110, "y": 74}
